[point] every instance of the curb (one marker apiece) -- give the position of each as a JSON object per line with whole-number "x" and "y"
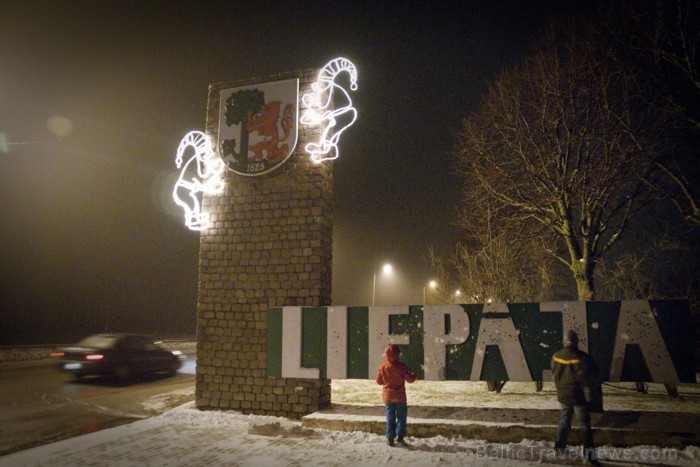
{"x": 619, "y": 429}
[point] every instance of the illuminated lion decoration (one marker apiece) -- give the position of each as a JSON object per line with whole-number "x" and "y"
{"x": 265, "y": 124}
{"x": 200, "y": 174}
{"x": 325, "y": 91}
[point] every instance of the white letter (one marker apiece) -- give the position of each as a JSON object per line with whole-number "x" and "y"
{"x": 291, "y": 346}
{"x": 500, "y": 332}
{"x": 637, "y": 325}
{"x": 337, "y": 343}
{"x": 435, "y": 340}
{"x": 379, "y": 336}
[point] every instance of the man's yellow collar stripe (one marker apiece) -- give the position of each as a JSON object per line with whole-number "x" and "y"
{"x": 566, "y": 362}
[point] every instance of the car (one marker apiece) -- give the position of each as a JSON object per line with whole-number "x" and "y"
{"x": 120, "y": 355}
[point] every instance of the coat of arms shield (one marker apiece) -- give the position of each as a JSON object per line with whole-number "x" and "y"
{"x": 258, "y": 126}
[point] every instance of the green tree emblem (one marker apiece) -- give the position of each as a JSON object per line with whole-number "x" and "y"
{"x": 237, "y": 106}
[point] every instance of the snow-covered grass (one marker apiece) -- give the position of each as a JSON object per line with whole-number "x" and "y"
{"x": 616, "y": 396}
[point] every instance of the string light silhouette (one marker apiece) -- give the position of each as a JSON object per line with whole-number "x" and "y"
{"x": 200, "y": 174}
{"x": 325, "y": 91}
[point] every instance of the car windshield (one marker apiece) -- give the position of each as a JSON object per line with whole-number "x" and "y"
{"x": 98, "y": 341}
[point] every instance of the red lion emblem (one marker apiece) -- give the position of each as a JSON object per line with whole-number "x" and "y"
{"x": 265, "y": 124}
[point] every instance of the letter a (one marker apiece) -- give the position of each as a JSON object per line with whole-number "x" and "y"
{"x": 637, "y": 325}
{"x": 500, "y": 332}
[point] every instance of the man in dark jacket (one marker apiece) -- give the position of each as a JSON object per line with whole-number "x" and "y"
{"x": 573, "y": 371}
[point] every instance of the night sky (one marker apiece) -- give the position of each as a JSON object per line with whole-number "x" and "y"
{"x": 96, "y": 96}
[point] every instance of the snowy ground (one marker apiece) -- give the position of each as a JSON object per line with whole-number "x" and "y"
{"x": 616, "y": 396}
{"x": 274, "y": 441}
{"x": 186, "y": 436}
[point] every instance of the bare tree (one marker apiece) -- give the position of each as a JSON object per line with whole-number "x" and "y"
{"x": 664, "y": 37}
{"x": 663, "y": 269}
{"x": 493, "y": 265}
{"x": 557, "y": 143}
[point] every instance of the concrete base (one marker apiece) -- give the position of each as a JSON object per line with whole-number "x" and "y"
{"x": 621, "y": 429}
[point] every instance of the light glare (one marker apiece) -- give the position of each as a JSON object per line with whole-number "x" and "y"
{"x": 59, "y": 126}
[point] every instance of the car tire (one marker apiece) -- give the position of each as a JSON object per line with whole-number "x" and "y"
{"x": 174, "y": 366}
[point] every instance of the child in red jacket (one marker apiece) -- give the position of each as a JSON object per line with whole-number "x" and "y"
{"x": 392, "y": 375}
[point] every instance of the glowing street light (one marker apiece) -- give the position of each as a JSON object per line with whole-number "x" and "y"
{"x": 387, "y": 269}
{"x": 432, "y": 285}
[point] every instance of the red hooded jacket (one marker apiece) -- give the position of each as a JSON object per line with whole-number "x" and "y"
{"x": 392, "y": 375}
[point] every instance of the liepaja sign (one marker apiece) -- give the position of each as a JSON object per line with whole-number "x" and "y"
{"x": 634, "y": 340}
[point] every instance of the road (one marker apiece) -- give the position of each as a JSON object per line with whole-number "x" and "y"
{"x": 39, "y": 405}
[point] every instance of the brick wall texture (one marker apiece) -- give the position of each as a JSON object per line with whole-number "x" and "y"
{"x": 269, "y": 245}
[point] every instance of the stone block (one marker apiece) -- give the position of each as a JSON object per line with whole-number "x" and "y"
{"x": 270, "y": 234}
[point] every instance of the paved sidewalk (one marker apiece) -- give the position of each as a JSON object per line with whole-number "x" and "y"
{"x": 186, "y": 436}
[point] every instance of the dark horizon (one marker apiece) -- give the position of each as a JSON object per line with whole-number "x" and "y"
{"x": 95, "y": 97}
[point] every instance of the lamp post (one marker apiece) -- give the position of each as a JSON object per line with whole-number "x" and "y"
{"x": 386, "y": 269}
{"x": 432, "y": 285}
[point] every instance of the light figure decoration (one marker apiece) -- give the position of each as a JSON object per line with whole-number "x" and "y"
{"x": 201, "y": 173}
{"x": 325, "y": 91}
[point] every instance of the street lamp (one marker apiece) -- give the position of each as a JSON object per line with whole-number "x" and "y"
{"x": 386, "y": 269}
{"x": 432, "y": 285}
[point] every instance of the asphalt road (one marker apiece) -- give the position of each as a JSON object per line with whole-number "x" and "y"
{"x": 39, "y": 405}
